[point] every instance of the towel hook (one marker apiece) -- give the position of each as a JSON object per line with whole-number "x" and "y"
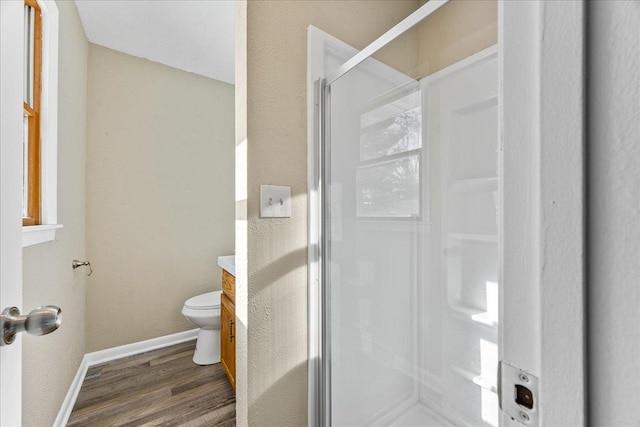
{"x": 75, "y": 264}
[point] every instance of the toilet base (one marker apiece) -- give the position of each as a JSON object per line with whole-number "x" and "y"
{"x": 207, "y": 347}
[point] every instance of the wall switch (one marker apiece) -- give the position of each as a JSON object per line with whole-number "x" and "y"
{"x": 275, "y": 201}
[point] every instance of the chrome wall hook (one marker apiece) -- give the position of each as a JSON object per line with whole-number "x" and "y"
{"x": 75, "y": 264}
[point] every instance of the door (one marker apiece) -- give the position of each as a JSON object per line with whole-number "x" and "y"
{"x": 11, "y": 22}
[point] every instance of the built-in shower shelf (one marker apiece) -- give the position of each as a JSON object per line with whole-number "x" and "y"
{"x": 476, "y": 185}
{"x": 479, "y": 380}
{"x": 478, "y": 316}
{"x": 485, "y": 383}
{"x": 486, "y": 319}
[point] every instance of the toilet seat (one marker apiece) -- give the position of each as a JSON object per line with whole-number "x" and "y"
{"x": 204, "y": 301}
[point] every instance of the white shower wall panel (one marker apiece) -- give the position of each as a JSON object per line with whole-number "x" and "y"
{"x": 459, "y": 357}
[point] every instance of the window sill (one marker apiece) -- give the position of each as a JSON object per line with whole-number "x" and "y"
{"x": 36, "y": 234}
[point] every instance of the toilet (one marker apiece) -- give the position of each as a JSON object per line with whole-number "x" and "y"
{"x": 204, "y": 312}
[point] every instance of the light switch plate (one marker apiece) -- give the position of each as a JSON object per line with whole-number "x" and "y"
{"x": 275, "y": 201}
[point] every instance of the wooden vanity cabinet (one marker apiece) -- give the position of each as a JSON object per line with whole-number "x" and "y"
{"x": 228, "y": 326}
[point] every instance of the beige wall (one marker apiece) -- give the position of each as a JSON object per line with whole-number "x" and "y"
{"x": 452, "y": 33}
{"x": 50, "y": 362}
{"x": 274, "y": 392}
{"x": 455, "y": 32}
{"x": 159, "y": 194}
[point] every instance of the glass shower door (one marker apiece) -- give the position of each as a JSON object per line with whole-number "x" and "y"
{"x": 411, "y": 227}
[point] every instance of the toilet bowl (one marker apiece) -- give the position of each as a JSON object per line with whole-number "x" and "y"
{"x": 204, "y": 312}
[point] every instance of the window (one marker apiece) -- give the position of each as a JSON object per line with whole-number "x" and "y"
{"x": 388, "y": 178}
{"x": 40, "y": 121}
{"x": 31, "y": 184}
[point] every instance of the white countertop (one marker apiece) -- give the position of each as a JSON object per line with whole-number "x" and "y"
{"x": 228, "y": 263}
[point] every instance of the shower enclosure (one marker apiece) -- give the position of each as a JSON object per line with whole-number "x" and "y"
{"x": 409, "y": 223}
{"x": 410, "y": 250}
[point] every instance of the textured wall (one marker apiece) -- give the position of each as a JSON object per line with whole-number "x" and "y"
{"x": 50, "y": 362}
{"x": 159, "y": 194}
{"x": 275, "y": 390}
{"x": 613, "y": 149}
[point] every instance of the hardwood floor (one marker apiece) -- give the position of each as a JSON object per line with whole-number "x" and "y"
{"x": 159, "y": 388}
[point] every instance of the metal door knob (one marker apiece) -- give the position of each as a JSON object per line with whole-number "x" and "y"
{"x": 41, "y": 321}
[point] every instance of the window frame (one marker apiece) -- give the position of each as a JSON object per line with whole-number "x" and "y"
{"x": 49, "y": 226}
{"x": 33, "y": 114}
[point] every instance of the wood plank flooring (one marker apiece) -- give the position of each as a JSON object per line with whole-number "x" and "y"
{"x": 158, "y": 388}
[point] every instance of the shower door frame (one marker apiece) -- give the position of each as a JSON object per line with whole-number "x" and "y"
{"x": 541, "y": 117}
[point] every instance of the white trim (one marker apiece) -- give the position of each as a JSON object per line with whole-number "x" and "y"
{"x": 562, "y": 213}
{"x": 35, "y": 234}
{"x": 486, "y": 54}
{"x": 114, "y": 353}
{"x": 49, "y": 113}
{"x": 109, "y": 354}
{"x": 316, "y": 40}
{"x": 319, "y": 44}
{"x": 72, "y": 394}
{"x": 541, "y": 108}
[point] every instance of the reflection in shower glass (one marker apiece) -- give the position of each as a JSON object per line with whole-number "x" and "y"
{"x": 388, "y": 177}
{"x": 389, "y": 189}
{"x": 393, "y": 126}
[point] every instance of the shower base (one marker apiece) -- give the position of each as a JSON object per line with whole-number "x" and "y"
{"x": 420, "y": 415}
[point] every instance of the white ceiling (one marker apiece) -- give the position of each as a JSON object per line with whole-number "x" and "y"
{"x": 195, "y": 36}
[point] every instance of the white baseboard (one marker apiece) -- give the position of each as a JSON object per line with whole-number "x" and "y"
{"x": 72, "y": 394}
{"x": 109, "y": 354}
